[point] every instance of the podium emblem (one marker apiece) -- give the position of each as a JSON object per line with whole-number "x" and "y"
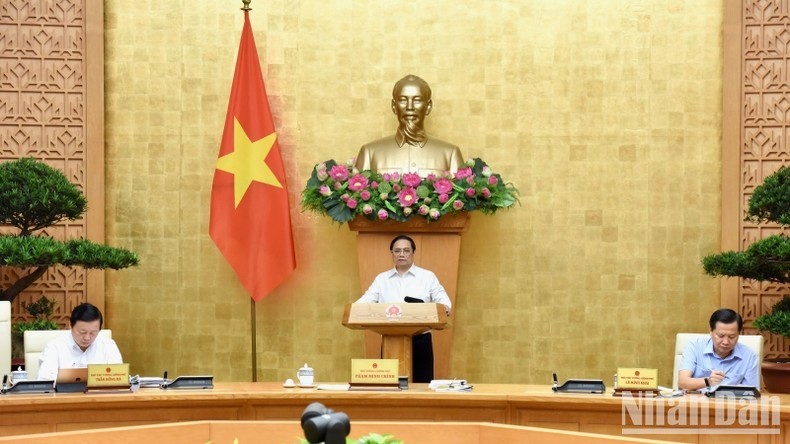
{"x": 393, "y": 312}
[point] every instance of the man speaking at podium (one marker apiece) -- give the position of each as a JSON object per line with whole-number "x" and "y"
{"x": 409, "y": 280}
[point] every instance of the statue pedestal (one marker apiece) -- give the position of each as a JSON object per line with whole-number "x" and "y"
{"x": 438, "y": 250}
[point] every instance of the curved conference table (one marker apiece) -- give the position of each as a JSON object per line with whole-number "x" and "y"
{"x": 527, "y": 405}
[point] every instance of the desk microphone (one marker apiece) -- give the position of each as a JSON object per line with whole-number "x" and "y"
{"x": 555, "y": 386}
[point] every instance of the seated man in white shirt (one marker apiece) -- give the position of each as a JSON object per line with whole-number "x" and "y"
{"x": 80, "y": 348}
{"x": 407, "y": 279}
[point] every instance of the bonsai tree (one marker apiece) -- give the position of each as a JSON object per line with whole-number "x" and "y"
{"x": 777, "y": 321}
{"x": 767, "y": 259}
{"x": 34, "y": 196}
{"x": 41, "y": 311}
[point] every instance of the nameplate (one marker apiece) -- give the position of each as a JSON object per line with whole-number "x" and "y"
{"x": 374, "y": 371}
{"x": 108, "y": 376}
{"x": 637, "y": 378}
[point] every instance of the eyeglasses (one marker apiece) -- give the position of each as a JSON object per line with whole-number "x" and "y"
{"x": 398, "y": 251}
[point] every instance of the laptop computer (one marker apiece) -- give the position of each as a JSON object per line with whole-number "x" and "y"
{"x": 71, "y": 380}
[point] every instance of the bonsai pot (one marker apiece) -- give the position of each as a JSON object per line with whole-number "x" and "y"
{"x": 776, "y": 376}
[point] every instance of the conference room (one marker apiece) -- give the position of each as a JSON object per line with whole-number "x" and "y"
{"x": 625, "y": 139}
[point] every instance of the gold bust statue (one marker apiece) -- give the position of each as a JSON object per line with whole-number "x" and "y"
{"x": 410, "y": 149}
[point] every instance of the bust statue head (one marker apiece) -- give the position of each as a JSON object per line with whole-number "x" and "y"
{"x": 411, "y": 102}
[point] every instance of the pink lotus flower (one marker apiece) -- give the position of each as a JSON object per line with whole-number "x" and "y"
{"x": 374, "y": 185}
{"x": 395, "y": 176}
{"x": 412, "y": 179}
{"x": 458, "y": 205}
{"x": 339, "y": 172}
{"x": 352, "y": 203}
{"x": 423, "y": 210}
{"x": 367, "y": 209}
{"x": 324, "y": 191}
{"x": 433, "y": 213}
{"x": 470, "y": 180}
{"x": 470, "y": 192}
{"x": 382, "y": 214}
{"x": 443, "y": 186}
{"x": 321, "y": 174}
{"x": 463, "y": 173}
{"x": 386, "y": 176}
{"x": 486, "y": 171}
{"x": 486, "y": 193}
{"x": 431, "y": 177}
{"x": 493, "y": 180}
{"x": 407, "y": 197}
{"x": 396, "y": 188}
{"x": 365, "y": 195}
{"x": 345, "y": 197}
{"x": 443, "y": 198}
{"x": 357, "y": 182}
{"x": 338, "y": 185}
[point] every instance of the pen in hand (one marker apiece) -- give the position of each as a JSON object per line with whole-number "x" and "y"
{"x": 718, "y": 373}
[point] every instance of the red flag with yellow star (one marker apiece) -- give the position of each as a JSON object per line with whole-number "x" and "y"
{"x": 250, "y": 215}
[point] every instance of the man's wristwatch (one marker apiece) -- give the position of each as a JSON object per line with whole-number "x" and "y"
{"x": 707, "y": 382}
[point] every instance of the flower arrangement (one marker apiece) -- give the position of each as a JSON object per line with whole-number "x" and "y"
{"x": 342, "y": 192}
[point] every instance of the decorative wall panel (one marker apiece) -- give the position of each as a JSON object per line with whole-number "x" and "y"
{"x": 765, "y": 123}
{"x": 43, "y": 114}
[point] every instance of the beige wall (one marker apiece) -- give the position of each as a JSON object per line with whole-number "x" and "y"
{"x": 605, "y": 114}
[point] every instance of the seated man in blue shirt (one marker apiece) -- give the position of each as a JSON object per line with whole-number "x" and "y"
{"x": 719, "y": 359}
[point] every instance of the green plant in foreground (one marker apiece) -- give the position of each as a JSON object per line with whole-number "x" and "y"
{"x": 373, "y": 438}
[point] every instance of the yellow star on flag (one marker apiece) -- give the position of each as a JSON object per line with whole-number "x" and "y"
{"x": 247, "y": 162}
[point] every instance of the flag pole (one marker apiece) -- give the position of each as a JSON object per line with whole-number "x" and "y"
{"x": 253, "y": 323}
{"x": 254, "y": 341}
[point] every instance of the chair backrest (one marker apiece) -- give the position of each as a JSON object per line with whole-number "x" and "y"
{"x": 36, "y": 340}
{"x": 754, "y": 342}
{"x": 5, "y": 337}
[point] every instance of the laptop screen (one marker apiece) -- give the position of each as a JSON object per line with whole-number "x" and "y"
{"x": 72, "y": 375}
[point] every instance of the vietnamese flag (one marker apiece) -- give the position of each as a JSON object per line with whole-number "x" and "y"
{"x": 250, "y": 216}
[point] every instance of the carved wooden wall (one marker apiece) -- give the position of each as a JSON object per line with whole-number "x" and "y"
{"x": 755, "y": 138}
{"x": 51, "y": 108}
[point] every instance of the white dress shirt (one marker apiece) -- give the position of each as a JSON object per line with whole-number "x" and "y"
{"x": 63, "y": 352}
{"x": 390, "y": 286}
